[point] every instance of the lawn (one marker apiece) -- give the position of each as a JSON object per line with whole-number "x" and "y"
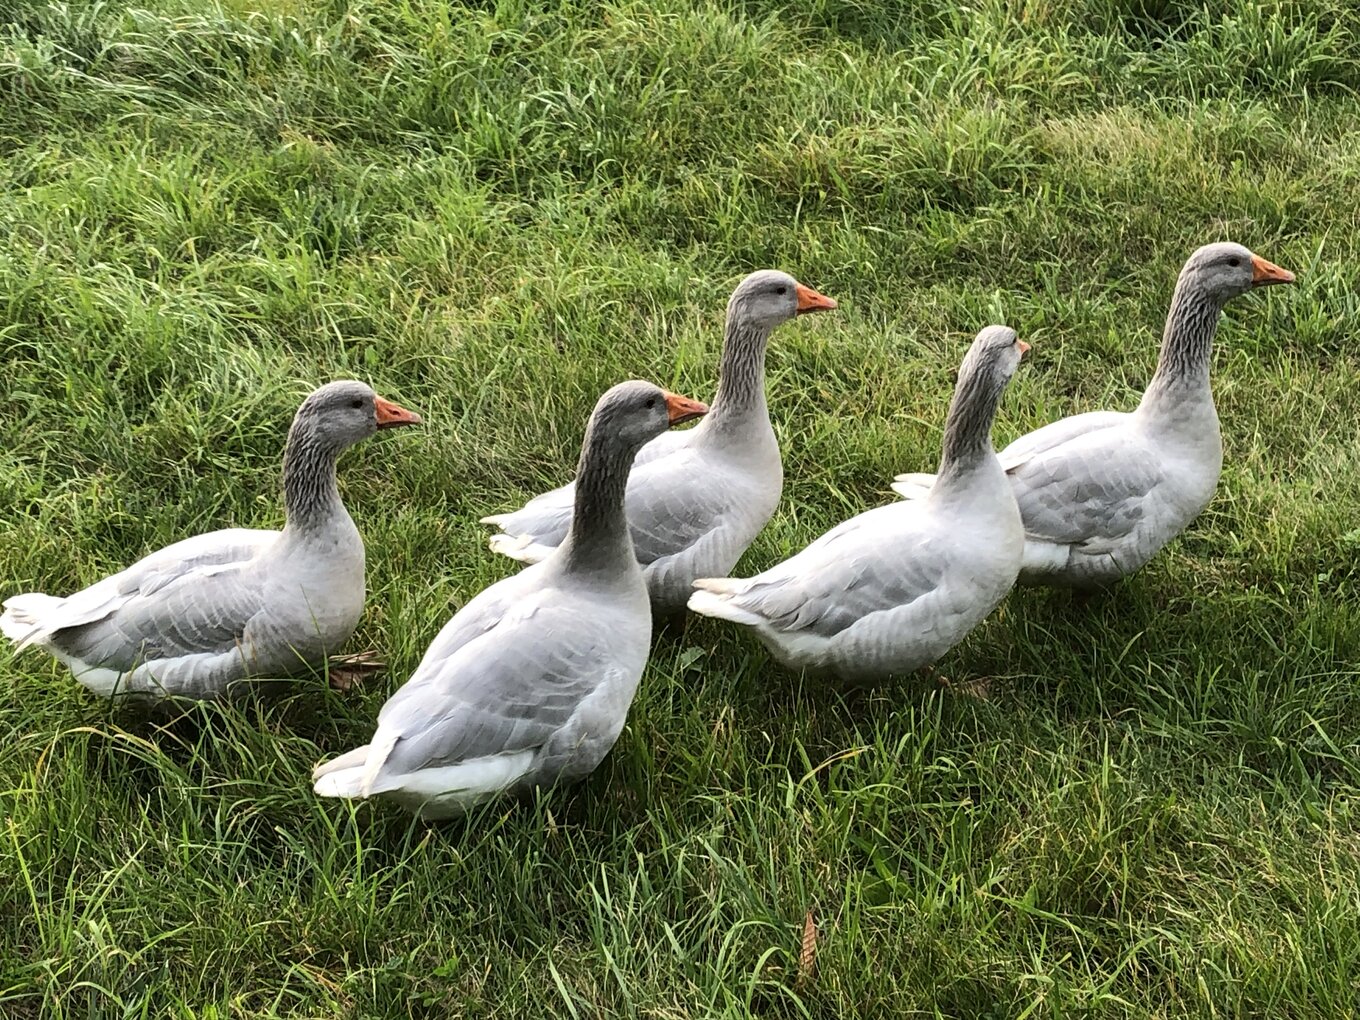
{"x": 1142, "y": 804}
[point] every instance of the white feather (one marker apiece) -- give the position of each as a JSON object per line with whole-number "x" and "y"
{"x": 707, "y": 601}
{"x": 518, "y": 547}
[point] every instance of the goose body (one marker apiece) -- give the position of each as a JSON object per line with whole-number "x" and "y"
{"x": 896, "y": 587}
{"x": 529, "y": 684}
{"x": 494, "y": 707}
{"x": 1102, "y": 493}
{"x": 190, "y": 619}
{"x": 682, "y": 531}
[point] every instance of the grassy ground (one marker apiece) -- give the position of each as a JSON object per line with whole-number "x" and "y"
{"x": 1141, "y": 805}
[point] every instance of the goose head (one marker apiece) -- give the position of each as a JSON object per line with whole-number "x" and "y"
{"x": 768, "y": 298}
{"x": 993, "y": 357}
{"x": 342, "y": 413}
{"x": 1226, "y": 270}
{"x": 635, "y": 412}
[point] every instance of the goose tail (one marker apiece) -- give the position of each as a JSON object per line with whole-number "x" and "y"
{"x": 23, "y": 619}
{"x": 713, "y": 597}
{"x": 913, "y": 486}
{"x": 518, "y": 547}
{"x": 352, "y": 774}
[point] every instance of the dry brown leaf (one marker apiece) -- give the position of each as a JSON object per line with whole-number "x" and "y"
{"x": 345, "y": 672}
{"x": 807, "y": 956}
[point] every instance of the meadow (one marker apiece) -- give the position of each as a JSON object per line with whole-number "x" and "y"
{"x": 1140, "y": 804}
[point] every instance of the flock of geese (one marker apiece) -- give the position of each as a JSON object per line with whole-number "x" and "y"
{"x": 530, "y": 683}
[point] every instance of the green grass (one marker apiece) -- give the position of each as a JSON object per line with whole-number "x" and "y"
{"x": 1140, "y": 805}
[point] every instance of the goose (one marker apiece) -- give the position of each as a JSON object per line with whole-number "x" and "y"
{"x": 893, "y": 589}
{"x": 196, "y": 616}
{"x": 680, "y": 530}
{"x": 530, "y": 682}
{"x": 1101, "y": 493}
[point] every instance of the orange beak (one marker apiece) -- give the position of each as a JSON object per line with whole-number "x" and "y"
{"x": 1264, "y": 273}
{"x": 810, "y": 301}
{"x": 682, "y": 409}
{"x": 391, "y": 415}
{"x": 1024, "y": 347}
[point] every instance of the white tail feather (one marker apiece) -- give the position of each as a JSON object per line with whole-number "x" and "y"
{"x": 346, "y": 783}
{"x": 348, "y": 760}
{"x": 519, "y": 547}
{"x": 352, "y": 774}
{"x": 714, "y": 598}
{"x": 378, "y": 749}
{"x": 22, "y": 620}
{"x": 914, "y": 485}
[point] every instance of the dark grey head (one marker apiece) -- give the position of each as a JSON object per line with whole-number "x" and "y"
{"x": 635, "y": 412}
{"x": 344, "y": 412}
{"x": 768, "y": 298}
{"x": 1225, "y": 270}
{"x": 994, "y": 356}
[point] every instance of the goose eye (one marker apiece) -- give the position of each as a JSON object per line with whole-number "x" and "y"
{"x": 782, "y": 290}
{"x": 1234, "y": 262}
{"x": 357, "y": 403}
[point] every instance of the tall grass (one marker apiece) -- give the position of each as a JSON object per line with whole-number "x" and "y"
{"x": 1136, "y": 805}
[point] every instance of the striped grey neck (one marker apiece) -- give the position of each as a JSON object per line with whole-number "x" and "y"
{"x": 968, "y": 428}
{"x": 741, "y": 374}
{"x": 311, "y": 497}
{"x": 599, "y": 537}
{"x": 1187, "y": 345}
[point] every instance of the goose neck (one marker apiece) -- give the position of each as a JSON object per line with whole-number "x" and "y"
{"x": 599, "y": 538}
{"x": 1187, "y": 346}
{"x": 741, "y": 376}
{"x": 968, "y": 427}
{"x": 311, "y": 496}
